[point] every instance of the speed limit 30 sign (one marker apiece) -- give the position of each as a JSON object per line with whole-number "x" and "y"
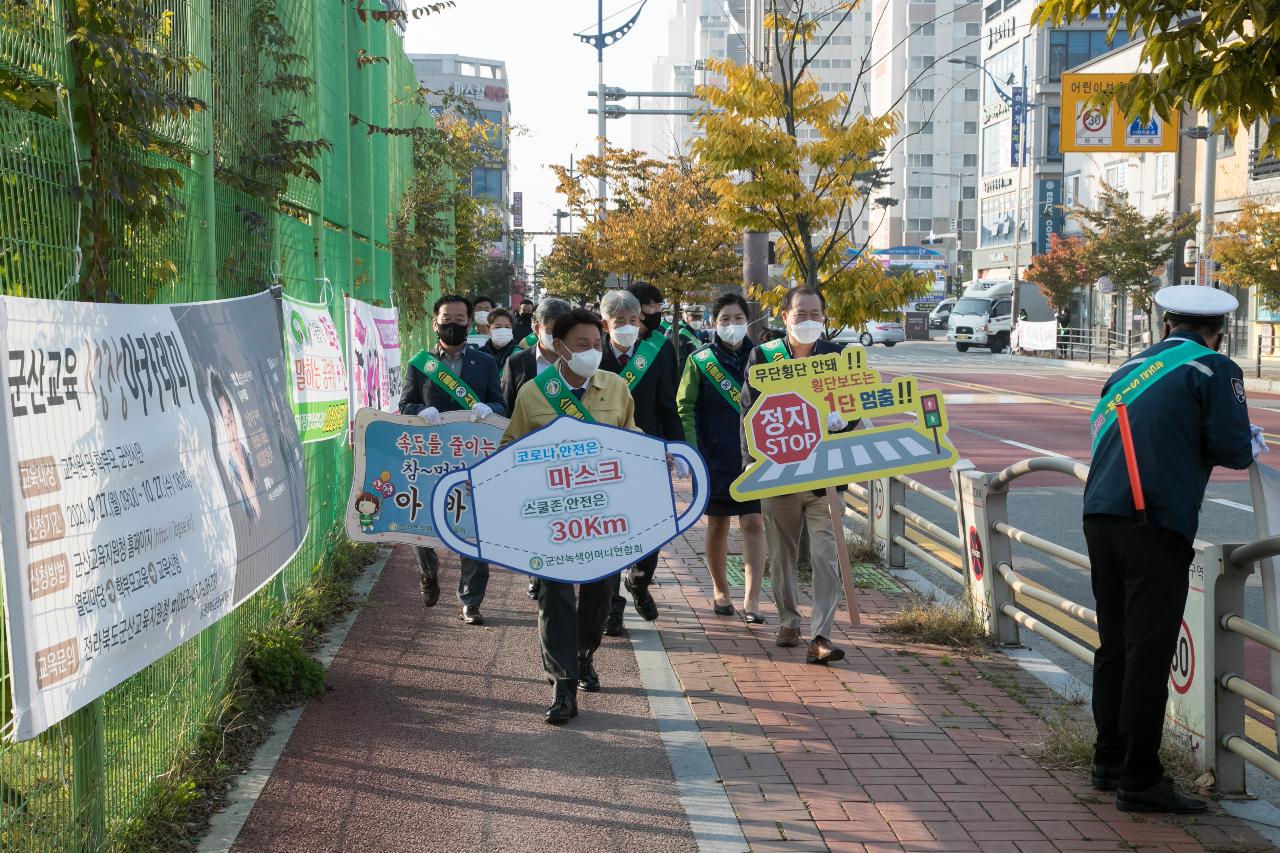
{"x": 1183, "y": 669}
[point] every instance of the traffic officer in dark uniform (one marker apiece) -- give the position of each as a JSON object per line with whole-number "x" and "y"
{"x": 1185, "y": 407}
{"x": 424, "y": 396}
{"x": 636, "y": 349}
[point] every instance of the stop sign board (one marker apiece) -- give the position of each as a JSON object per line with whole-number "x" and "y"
{"x": 786, "y": 428}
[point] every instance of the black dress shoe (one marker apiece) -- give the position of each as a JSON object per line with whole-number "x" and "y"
{"x": 644, "y": 603}
{"x": 1160, "y": 797}
{"x": 565, "y": 705}
{"x": 471, "y": 615}
{"x": 613, "y": 627}
{"x": 1105, "y": 777}
{"x": 588, "y": 678}
{"x": 533, "y": 589}
{"x": 430, "y": 588}
{"x": 723, "y": 609}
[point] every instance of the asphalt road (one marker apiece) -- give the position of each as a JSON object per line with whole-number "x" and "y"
{"x": 1002, "y": 410}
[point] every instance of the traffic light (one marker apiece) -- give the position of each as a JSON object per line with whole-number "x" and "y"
{"x": 932, "y": 417}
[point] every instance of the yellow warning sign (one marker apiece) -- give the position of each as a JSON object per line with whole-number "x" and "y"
{"x": 1088, "y": 126}
{"x": 787, "y": 435}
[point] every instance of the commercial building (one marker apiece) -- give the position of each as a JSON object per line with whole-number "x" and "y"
{"x": 933, "y": 162}
{"x": 1021, "y": 182}
{"x": 484, "y": 83}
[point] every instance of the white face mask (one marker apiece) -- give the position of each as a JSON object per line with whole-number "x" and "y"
{"x": 583, "y": 363}
{"x": 482, "y": 317}
{"x": 546, "y": 340}
{"x": 501, "y": 337}
{"x": 624, "y": 336}
{"x": 806, "y": 332}
{"x": 732, "y": 335}
{"x": 696, "y": 325}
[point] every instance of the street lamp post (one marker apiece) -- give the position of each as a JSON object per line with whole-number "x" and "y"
{"x": 1017, "y": 102}
{"x": 600, "y": 40}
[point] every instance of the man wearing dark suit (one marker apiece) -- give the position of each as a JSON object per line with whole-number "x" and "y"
{"x": 424, "y": 397}
{"x": 528, "y": 363}
{"x": 634, "y": 316}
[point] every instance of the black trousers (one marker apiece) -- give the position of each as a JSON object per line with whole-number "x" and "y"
{"x": 570, "y": 629}
{"x": 1140, "y": 579}
{"x": 473, "y": 576}
{"x": 640, "y": 574}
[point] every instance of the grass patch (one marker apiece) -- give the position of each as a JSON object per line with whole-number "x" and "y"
{"x": 953, "y": 625}
{"x": 863, "y": 551}
{"x": 1068, "y": 744}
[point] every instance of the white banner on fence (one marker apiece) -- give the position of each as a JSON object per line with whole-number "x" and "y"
{"x": 152, "y": 480}
{"x": 316, "y": 369}
{"x": 1035, "y": 337}
{"x": 373, "y": 357}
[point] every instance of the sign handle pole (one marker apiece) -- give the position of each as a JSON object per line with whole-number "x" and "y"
{"x": 842, "y": 552}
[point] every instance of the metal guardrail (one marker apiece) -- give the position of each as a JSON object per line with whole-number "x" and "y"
{"x": 978, "y": 555}
{"x": 1098, "y": 344}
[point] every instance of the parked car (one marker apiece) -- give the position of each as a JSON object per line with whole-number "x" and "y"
{"x": 887, "y": 332}
{"x": 938, "y": 316}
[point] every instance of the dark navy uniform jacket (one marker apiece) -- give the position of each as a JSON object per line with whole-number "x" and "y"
{"x": 478, "y": 370}
{"x": 1183, "y": 425}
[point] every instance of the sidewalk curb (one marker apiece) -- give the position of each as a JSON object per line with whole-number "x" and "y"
{"x": 1250, "y": 383}
{"x": 225, "y": 825}
{"x": 712, "y": 819}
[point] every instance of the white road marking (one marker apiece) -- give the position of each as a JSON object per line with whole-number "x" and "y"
{"x": 1032, "y": 448}
{"x": 913, "y": 447}
{"x": 1232, "y": 504}
{"x": 773, "y": 473}
{"x": 887, "y": 451}
{"x": 834, "y": 463}
{"x": 860, "y": 455}
{"x": 806, "y": 467}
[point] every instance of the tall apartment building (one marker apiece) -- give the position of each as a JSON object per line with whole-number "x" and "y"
{"x": 932, "y": 163}
{"x": 484, "y": 82}
{"x": 1018, "y": 207}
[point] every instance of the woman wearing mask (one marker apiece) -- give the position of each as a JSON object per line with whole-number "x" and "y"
{"x": 710, "y": 401}
{"x": 501, "y": 343}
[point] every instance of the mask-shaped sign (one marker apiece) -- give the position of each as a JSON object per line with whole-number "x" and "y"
{"x": 571, "y": 502}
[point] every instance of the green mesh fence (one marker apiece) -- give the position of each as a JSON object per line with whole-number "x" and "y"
{"x": 86, "y": 783}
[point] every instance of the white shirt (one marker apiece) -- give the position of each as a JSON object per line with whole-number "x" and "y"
{"x": 619, "y": 353}
{"x": 573, "y": 387}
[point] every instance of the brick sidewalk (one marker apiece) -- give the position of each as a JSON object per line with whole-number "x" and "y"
{"x": 900, "y": 747}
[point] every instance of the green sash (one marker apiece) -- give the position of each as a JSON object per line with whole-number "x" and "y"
{"x": 556, "y": 390}
{"x": 435, "y": 370}
{"x": 776, "y": 349}
{"x": 1137, "y": 381}
{"x": 641, "y": 360}
{"x": 685, "y": 332}
{"x": 711, "y": 368}
{"x": 527, "y": 341}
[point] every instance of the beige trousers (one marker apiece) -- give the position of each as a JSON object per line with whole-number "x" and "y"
{"x": 782, "y": 519}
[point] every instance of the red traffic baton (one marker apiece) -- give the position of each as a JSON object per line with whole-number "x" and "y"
{"x": 1131, "y": 462}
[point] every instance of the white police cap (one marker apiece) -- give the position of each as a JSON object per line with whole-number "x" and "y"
{"x": 1193, "y": 300}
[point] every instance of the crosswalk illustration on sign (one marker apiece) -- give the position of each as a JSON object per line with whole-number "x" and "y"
{"x": 852, "y": 457}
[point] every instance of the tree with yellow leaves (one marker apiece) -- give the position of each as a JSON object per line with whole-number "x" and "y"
{"x": 811, "y": 189}
{"x": 573, "y": 270}
{"x": 1247, "y": 250}
{"x": 661, "y": 228}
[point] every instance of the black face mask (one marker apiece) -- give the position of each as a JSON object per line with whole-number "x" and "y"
{"x": 451, "y": 334}
{"x": 652, "y": 322}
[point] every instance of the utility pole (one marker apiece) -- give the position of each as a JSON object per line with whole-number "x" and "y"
{"x": 600, "y": 40}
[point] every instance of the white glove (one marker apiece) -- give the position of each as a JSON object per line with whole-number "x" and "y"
{"x": 1259, "y": 443}
{"x": 835, "y": 423}
{"x": 679, "y": 467}
{"x": 431, "y": 415}
{"x": 480, "y": 411}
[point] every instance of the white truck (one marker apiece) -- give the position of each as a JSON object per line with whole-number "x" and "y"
{"x": 983, "y": 316}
